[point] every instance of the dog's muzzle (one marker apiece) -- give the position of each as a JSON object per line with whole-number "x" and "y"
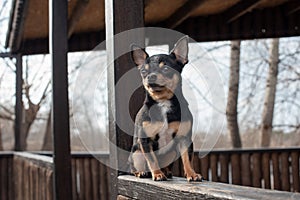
{"x": 153, "y": 83}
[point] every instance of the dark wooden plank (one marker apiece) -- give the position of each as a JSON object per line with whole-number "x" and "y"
{"x": 49, "y": 182}
{"x": 256, "y": 169}
{"x": 42, "y": 181}
{"x": 74, "y": 179}
{"x": 80, "y": 177}
{"x": 266, "y": 170}
{"x": 178, "y": 188}
{"x": 58, "y": 44}
{"x": 2, "y": 179}
{"x": 295, "y": 171}
{"x": 26, "y": 179}
{"x": 103, "y": 187}
{"x": 285, "y": 171}
{"x": 40, "y": 160}
{"x": 87, "y": 179}
{"x": 14, "y": 39}
{"x": 240, "y": 9}
{"x": 276, "y": 171}
{"x": 293, "y": 8}
{"x": 224, "y": 162}
{"x": 19, "y": 140}
{"x": 235, "y": 168}
{"x": 182, "y": 13}
{"x": 196, "y": 163}
{"x": 214, "y": 167}
{"x": 109, "y": 190}
{"x": 176, "y": 168}
{"x": 38, "y": 174}
{"x": 121, "y": 16}
{"x": 205, "y": 167}
{"x": 11, "y": 179}
{"x": 95, "y": 178}
{"x": 246, "y": 171}
{"x": 18, "y": 178}
{"x": 77, "y": 13}
{"x": 30, "y": 181}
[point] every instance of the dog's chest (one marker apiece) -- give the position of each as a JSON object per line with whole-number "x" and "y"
{"x": 165, "y": 133}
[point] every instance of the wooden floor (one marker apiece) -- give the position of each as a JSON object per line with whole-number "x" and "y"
{"x": 131, "y": 187}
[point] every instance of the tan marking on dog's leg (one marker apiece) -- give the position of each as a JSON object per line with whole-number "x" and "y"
{"x": 157, "y": 174}
{"x": 151, "y": 129}
{"x": 190, "y": 173}
{"x": 161, "y": 64}
{"x": 181, "y": 128}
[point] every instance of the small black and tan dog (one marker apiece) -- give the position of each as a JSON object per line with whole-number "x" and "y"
{"x": 163, "y": 126}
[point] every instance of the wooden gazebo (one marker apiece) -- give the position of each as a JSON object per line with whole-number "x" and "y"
{"x": 58, "y": 27}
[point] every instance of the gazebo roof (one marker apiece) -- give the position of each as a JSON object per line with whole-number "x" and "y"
{"x": 203, "y": 20}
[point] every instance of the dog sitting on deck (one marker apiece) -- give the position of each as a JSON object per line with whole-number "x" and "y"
{"x": 163, "y": 126}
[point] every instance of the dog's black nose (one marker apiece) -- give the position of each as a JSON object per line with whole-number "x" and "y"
{"x": 152, "y": 78}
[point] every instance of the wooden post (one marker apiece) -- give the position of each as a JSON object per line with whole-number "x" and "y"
{"x": 58, "y": 45}
{"x": 19, "y": 103}
{"x": 121, "y": 16}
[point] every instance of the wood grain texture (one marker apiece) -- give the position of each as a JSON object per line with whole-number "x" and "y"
{"x": 295, "y": 171}
{"x": 236, "y": 168}
{"x": 266, "y": 170}
{"x": 178, "y": 188}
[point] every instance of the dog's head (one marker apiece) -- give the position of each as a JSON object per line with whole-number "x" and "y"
{"x": 161, "y": 73}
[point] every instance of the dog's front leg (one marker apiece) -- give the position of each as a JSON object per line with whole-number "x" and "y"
{"x": 186, "y": 157}
{"x": 147, "y": 149}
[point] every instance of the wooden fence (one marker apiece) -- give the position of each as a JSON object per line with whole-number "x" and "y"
{"x": 90, "y": 177}
{"x": 29, "y": 176}
{"x": 6, "y": 181}
{"x": 263, "y": 168}
{"x": 33, "y": 177}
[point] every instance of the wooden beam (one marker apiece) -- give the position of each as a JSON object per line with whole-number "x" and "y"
{"x": 182, "y": 13}
{"x": 19, "y": 104}
{"x": 252, "y": 25}
{"x": 121, "y": 16}
{"x": 17, "y": 25}
{"x": 76, "y": 14}
{"x": 293, "y": 7}
{"x": 77, "y": 42}
{"x": 58, "y": 43}
{"x": 241, "y": 9}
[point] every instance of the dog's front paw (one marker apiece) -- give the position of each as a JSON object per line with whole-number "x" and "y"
{"x": 158, "y": 175}
{"x": 142, "y": 174}
{"x": 194, "y": 177}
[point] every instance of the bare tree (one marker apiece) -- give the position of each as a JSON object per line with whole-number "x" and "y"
{"x": 270, "y": 93}
{"x": 232, "y": 100}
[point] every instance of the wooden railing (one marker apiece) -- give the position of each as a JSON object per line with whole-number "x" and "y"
{"x": 263, "y": 168}
{"x": 33, "y": 177}
{"x": 29, "y": 176}
{"x": 90, "y": 176}
{"x": 6, "y": 180}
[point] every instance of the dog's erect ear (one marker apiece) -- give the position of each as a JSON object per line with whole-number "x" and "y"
{"x": 181, "y": 50}
{"x": 138, "y": 55}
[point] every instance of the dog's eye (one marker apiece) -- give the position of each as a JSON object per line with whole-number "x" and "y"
{"x": 143, "y": 71}
{"x": 165, "y": 69}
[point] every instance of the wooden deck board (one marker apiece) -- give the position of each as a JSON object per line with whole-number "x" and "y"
{"x": 179, "y": 188}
